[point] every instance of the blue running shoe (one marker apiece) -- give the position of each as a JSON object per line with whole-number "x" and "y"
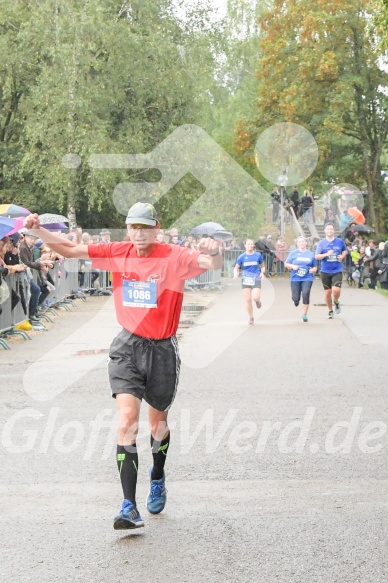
{"x": 129, "y": 517}
{"x": 305, "y": 318}
{"x": 156, "y": 499}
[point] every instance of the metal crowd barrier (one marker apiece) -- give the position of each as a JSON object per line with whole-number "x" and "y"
{"x": 14, "y": 308}
{"x": 94, "y": 281}
{"x": 210, "y": 279}
{"x": 65, "y": 278}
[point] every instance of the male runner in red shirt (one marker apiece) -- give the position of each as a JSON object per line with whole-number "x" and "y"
{"x": 144, "y": 363}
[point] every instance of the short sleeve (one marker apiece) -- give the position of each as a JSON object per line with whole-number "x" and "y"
{"x": 240, "y": 259}
{"x": 289, "y": 258}
{"x": 103, "y": 255}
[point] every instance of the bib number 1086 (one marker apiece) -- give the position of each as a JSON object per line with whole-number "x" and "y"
{"x": 139, "y": 294}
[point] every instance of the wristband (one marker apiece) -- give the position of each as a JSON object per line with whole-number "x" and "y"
{"x": 214, "y": 254}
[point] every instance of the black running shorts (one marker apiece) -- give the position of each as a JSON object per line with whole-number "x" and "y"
{"x": 330, "y": 280}
{"x": 145, "y": 368}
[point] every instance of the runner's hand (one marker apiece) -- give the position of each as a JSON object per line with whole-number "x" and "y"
{"x": 31, "y": 222}
{"x": 208, "y": 246}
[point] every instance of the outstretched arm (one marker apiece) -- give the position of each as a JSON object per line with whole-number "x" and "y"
{"x": 59, "y": 244}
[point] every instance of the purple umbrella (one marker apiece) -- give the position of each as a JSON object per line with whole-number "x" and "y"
{"x": 6, "y": 226}
{"x": 55, "y": 226}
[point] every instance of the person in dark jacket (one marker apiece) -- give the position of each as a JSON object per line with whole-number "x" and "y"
{"x": 382, "y": 265}
{"x": 305, "y": 207}
{"x": 26, "y": 256}
{"x": 370, "y": 262}
{"x": 275, "y": 195}
{"x": 295, "y": 200}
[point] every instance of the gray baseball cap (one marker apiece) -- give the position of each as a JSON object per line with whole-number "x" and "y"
{"x": 142, "y": 213}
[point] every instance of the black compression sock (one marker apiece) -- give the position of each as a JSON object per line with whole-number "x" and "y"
{"x": 159, "y": 454}
{"x": 127, "y": 463}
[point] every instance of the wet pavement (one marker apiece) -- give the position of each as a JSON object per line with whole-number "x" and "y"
{"x": 277, "y": 467}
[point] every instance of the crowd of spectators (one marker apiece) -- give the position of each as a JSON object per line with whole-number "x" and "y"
{"x": 22, "y": 252}
{"x": 341, "y": 210}
{"x": 365, "y": 265}
{"x": 302, "y": 207}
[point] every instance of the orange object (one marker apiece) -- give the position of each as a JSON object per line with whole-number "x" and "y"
{"x": 357, "y": 215}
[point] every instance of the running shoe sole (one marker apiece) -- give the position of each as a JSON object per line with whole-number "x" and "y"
{"x": 124, "y": 524}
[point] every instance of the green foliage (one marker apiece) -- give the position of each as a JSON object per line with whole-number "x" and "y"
{"x": 319, "y": 67}
{"x": 87, "y": 78}
{"x": 381, "y": 21}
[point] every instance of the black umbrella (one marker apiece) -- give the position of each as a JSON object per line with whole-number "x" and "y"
{"x": 207, "y": 229}
{"x": 223, "y": 236}
{"x": 362, "y": 229}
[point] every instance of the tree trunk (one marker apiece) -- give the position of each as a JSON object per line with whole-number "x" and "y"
{"x": 71, "y": 213}
{"x": 366, "y": 160}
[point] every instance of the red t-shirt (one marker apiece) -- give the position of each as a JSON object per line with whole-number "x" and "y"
{"x": 160, "y": 278}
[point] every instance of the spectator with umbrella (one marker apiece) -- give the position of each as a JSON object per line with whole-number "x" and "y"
{"x": 5, "y": 247}
{"x": 7, "y": 225}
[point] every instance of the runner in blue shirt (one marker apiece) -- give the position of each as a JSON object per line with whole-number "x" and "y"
{"x": 303, "y": 266}
{"x": 253, "y": 269}
{"x": 331, "y": 251}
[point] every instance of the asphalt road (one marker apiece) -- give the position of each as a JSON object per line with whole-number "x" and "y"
{"x": 277, "y": 470}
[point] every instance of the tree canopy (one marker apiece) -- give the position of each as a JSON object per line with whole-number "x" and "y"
{"x": 92, "y": 77}
{"x": 319, "y": 67}
{"x": 97, "y": 77}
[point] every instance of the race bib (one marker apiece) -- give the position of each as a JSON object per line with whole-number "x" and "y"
{"x": 302, "y": 271}
{"x": 248, "y": 280}
{"x": 332, "y": 258}
{"x": 140, "y": 294}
